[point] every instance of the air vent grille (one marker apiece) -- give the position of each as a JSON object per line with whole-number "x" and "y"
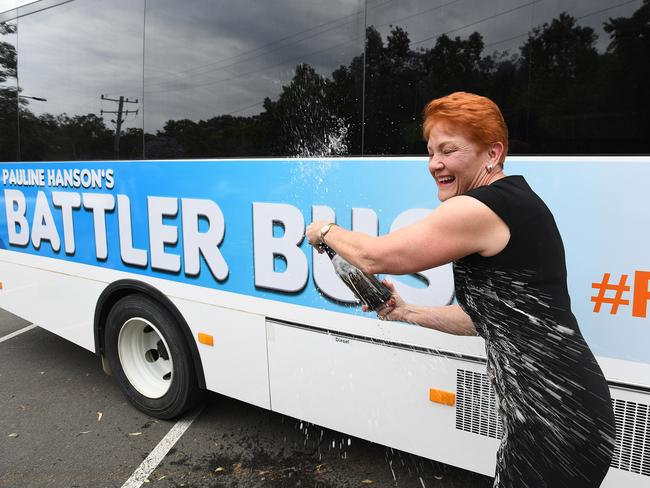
{"x": 476, "y": 412}
{"x": 476, "y": 409}
{"x": 632, "y": 451}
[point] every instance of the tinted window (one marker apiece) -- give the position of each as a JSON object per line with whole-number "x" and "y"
{"x": 250, "y": 78}
{"x": 570, "y": 77}
{"x": 69, "y": 57}
{"x": 589, "y": 77}
{"x": 287, "y": 78}
{"x": 8, "y": 92}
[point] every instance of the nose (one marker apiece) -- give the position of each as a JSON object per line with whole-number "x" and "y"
{"x": 435, "y": 165}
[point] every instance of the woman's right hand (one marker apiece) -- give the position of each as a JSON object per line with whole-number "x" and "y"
{"x": 395, "y": 307}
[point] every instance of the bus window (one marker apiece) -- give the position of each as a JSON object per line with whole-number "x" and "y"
{"x": 8, "y": 92}
{"x": 228, "y": 80}
{"x": 82, "y": 63}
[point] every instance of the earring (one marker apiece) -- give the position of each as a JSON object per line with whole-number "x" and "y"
{"x": 489, "y": 167}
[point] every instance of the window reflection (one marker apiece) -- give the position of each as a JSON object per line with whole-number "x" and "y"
{"x": 8, "y": 92}
{"x": 246, "y": 78}
{"x": 554, "y": 67}
{"x": 589, "y": 77}
{"x": 296, "y": 78}
{"x": 70, "y": 56}
{"x": 419, "y": 50}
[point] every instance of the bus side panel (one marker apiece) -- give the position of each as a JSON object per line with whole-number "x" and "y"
{"x": 236, "y": 364}
{"x": 618, "y": 478}
{"x": 60, "y": 303}
{"x": 373, "y": 391}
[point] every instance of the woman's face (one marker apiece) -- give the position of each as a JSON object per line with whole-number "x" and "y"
{"x": 455, "y": 162}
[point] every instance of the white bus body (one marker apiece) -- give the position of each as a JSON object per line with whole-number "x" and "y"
{"x": 219, "y": 245}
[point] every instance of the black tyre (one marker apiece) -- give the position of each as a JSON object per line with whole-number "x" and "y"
{"x": 147, "y": 352}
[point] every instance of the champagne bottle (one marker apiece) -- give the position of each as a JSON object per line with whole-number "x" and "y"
{"x": 365, "y": 287}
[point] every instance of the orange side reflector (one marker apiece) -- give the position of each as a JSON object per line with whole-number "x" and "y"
{"x": 206, "y": 339}
{"x": 441, "y": 396}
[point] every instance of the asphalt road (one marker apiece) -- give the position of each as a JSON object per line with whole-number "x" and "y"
{"x": 63, "y": 423}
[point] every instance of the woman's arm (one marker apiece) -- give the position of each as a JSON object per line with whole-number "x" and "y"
{"x": 450, "y": 319}
{"x": 458, "y": 227}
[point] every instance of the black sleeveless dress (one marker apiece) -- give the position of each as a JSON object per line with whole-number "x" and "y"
{"x": 553, "y": 399}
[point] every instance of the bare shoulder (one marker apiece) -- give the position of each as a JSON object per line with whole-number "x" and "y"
{"x": 465, "y": 203}
{"x": 465, "y": 210}
{"x": 476, "y": 221}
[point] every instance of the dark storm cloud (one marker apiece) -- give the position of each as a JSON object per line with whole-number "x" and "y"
{"x": 75, "y": 52}
{"x": 235, "y": 55}
{"x": 205, "y": 57}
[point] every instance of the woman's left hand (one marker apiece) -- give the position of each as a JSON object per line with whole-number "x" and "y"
{"x": 394, "y": 309}
{"x": 313, "y": 233}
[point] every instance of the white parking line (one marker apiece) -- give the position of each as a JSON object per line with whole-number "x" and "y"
{"x": 18, "y": 332}
{"x": 160, "y": 451}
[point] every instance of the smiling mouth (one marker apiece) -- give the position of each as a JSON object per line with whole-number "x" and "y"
{"x": 445, "y": 180}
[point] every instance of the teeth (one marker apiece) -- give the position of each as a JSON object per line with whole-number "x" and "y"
{"x": 446, "y": 179}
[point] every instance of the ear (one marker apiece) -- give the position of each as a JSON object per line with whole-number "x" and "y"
{"x": 495, "y": 151}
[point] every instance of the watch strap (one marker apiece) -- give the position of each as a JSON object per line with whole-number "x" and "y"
{"x": 325, "y": 229}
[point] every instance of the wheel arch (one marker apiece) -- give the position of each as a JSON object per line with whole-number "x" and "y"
{"x": 122, "y": 288}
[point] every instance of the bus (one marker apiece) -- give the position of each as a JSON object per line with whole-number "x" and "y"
{"x": 160, "y": 163}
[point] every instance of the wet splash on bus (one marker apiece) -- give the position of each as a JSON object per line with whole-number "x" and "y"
{"x": 328, "y": 140}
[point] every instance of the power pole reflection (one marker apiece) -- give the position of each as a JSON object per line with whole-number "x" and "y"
{"x": 119, "y": 120}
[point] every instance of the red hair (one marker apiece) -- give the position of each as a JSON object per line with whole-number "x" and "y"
{"x": 478, "y": 117}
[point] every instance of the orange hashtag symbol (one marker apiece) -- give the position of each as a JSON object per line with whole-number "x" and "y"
{"x": 605, "y": 286}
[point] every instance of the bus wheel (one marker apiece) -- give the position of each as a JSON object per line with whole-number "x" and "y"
{"x": 149, "y": 357}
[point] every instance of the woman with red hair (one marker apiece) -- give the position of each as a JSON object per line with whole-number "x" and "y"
{"x": 510, "y": 283}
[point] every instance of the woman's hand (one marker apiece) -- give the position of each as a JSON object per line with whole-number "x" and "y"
{"x": 313, "y": 233}
{"x": 395, "y": 307}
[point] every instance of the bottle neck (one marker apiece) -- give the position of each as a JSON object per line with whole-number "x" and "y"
{"x": 328, "y": 250}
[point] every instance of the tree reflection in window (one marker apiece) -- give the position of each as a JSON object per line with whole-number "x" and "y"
{"x": 8, "y": 93}
{"x": 558, "y": 93}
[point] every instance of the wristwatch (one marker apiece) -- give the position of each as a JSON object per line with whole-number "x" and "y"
{"x": 325, "y": 229}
